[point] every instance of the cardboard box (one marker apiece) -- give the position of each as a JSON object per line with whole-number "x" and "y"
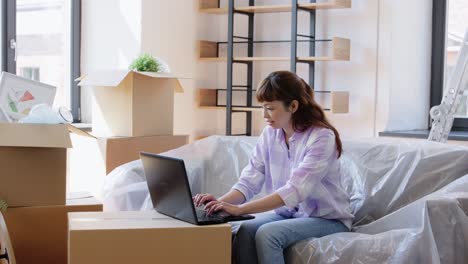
{"x": 107, "y": 153}
{"x": 92, "y": 158}
{"x": 33, "y": 164}
{"x": 40, "y": 234}
{"x": 144, "y": 238}
{"x": 130, "y": 104}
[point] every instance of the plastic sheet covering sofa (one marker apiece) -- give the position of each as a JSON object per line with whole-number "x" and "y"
{"x": 409, "y": 198}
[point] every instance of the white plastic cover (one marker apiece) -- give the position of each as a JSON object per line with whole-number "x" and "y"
{"x": 433, "y": 229}
{"x": 213, "y": 165}
{"x": 384, "y": 177}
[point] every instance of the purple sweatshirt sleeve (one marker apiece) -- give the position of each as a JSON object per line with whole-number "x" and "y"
{"x": 253, "y": 175}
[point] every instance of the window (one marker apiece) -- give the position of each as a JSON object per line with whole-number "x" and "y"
{"x": 30, "y": 73}
{"x": 457, "y": 24}
{"x": 43, "y": 43}
{"x": 450, "y": 21}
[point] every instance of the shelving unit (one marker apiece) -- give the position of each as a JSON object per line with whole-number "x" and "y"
{"x": 209, "y": 52}
{"x": 211, "y": 7}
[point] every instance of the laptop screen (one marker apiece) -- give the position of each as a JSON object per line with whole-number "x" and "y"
{"x": 168, "y": 186}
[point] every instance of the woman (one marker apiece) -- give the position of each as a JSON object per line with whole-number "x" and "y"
{"x": 296, "y": 160}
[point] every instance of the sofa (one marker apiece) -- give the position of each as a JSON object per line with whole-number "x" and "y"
{"x": 409, "y": 197}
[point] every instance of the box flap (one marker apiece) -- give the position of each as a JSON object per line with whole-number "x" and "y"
{"x": 178, "y": 88}
{"x": 112, "y": 78}
{"x": 103, "y": 78}
{"x": 34, "y": 135}
{"x": 78, "y": 131}
{"x": 156, "y": 74}
{"x": 82, "y": 199}
{"x": 78, "y": 195}
{"x": 160, "y": 75}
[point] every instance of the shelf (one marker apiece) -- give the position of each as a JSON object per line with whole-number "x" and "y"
{"x": 214, "y": 11}
{"x": 339, "y": 102}
{"x": 265, "y": 9}
{"x": 207, "y": 100}
{"x": 337, "y": 4}
{"x": 211, "y": 7}
{"x": 234, "y": 108}
{"x": 275, "y": 41}
{"x": 208, "y": 51}
{"x": 247, "y": 59}
{"x": 207, "y": 97}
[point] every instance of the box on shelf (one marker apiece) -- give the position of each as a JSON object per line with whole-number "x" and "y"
{"x": 39, "y": 234}
{"x": 129, "y": 104}
{"x": 144, "y": 237}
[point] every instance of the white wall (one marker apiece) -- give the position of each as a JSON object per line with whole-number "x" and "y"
{"x": 404, "y": 66}
{"x": 387, "y": 77}
{"x": 110, "y": 39}
{"x": 170, "y": 30}
{"x": 358, "y": 76}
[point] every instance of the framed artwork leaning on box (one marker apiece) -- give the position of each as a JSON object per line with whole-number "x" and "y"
{"x": 18, "y": 95}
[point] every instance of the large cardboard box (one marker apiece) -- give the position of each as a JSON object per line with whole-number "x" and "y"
{"x": 111, "y": 152}
{"x": 92, "y": 158}
{"x": 130, "y": 104}
{"x": 144, "y": 238}
{"x": 33, "y": 164}
{"x": 40, "y": 234}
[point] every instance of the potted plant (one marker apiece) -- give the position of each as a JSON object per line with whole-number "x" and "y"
{"x": 148, "y": 63}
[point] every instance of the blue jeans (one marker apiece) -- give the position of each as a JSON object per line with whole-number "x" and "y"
{"x": 263, "y": 239}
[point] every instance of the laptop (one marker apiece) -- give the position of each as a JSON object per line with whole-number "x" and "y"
{"x": 170, "y": 191}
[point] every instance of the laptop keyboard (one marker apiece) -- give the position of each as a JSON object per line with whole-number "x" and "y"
{"x": 202, "y": 216}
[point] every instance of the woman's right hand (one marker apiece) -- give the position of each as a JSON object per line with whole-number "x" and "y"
{"x": 201, "y": 199}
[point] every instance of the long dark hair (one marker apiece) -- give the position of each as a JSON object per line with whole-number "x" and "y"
{"x": 286, "y": 86}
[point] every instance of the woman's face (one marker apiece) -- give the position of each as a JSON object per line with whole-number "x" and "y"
{"x": 277, "y": 115}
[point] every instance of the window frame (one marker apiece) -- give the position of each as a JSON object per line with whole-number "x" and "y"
{"x": 8, "y": 64}
{"x": 439, "y": 33}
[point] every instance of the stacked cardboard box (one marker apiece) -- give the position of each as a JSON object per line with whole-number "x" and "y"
{"x": 132, "y": 112}
{"x": 33, "y": 162}
{"x": 39, "y": 234}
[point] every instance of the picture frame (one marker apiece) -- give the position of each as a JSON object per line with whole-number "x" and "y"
{"x": 18, "y": 95}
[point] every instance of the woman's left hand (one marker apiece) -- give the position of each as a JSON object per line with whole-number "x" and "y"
{"x": 215, "y": 206}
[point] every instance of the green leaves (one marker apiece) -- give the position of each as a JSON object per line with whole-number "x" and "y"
{"x": 146, "y": 63}
{"x": 3, "y": 205}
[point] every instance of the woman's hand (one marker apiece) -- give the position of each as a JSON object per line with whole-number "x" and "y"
{"x": 201, "y": 199}
{"x": 215, "y": 206}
